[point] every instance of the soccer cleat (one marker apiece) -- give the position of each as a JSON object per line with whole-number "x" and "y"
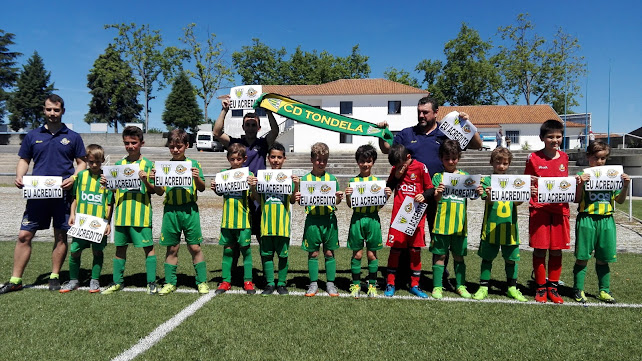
{"x": 223, "y": 287}
{"x": 248, "y": 286}
{"x": 390, "y": 290}
{"x": 69, "y": 286}
{"x": 579, "y": 296}
{"x": 355, "y": 290}
{"x": 463, "y": 292}
{"x": 167, "y": 289}
{"x": 111, "y": 288}
{"x": 437, "y": 293}
{"x": 312, "y": 290}
{"x": 282, "y": 290}
{"x": 514, "y": 293}
{"x": 372, "y": 291}
{"x": 540, "y": 294}
{"x": 331, "y": 289}
{"x": 481, "y": 293}
{"x": 417, "y": 292}
{"x": 203, "y": 288}
{"x": 606, "y": 297}
{"x": 54, "y": 284}
{"x": 10, "y": 287}
{"x": 268, "y": 290}
{"x": 554, "y": 296}
{"x": 94, "y": 286}
{"x": 152, "y": 289}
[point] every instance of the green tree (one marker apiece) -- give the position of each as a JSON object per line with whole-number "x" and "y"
{"x": 260, "y": 64}
{"x": 432, "y": 70}
{"x": 181, "y": 108}
{"x": 114, "y": 91}
{"x": 401, "y": 76}
{"x": 356, "y": 65}
{"x": 32, "y": 88}
{"x": 8, "y": 70}
{"x": 154, "y": 65}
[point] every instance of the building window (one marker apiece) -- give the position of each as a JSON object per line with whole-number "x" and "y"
{"x": 237, "y": 113}
{"x": 513, "y": 135}
{"x": 345, "y": 138}
{"x": 345, "y": 107}
{"x": 394, "y": 106}
{"x": 260, "y": 112}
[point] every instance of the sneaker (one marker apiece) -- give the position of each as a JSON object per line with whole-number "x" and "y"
{"x": 223, "y": 287}
{"x": 540, "y": 294}
{"x": 372, "y": 291}
{"x": 248, "y": 286}
{"x": 312, "y": 290}
{"x": 579, "y": 296}
{"x": 268, "y": 290}
{"x": 606, "y": 297}
{"x": 10, "y": 287}
{"x": 94, "y": 286}
{"x": 203, "y": 288}
{"x": 167, "y": 289}
{"x": 418, "y": 292}
{"x": 54, "y": 284}
{"x": 69, "y": 286}
{"x": 282, "y": 290}
{"x": 554, "y": 296}
{"x": 437, "y": 293}
{"x": 111, "y": 288}
{"x": 332, "y": 289}
{"x": 152, "y": 288}
{"x": 481, "y": 293}
{"x": 390, "y": 291}
{"x": 355, "y": 290}
{"x": 463, "y": 292}
{"x": 514, "y": 293}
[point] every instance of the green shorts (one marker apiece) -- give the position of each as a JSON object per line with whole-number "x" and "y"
{"x": 231, "y": 237}
{"x": 365, "y": 227}
{"x": 78, "y": 245}
{"x": 179, "y": 219}
{"x": 595, "y": 233}
{"x": 139, "y": 236}
{"x": 488, "y": 251}
{"x": 441, "y": 244}
{"x": 275, "y": 244}
{"x": 320, "y": 230}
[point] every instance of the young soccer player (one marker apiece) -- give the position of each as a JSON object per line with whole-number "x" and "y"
{"x": 235, "y": 225}
{"x": 181, "y": 216}
{"x": 275, "y": 225}
{"x": 549, "y": 227}
{"x": 321, "y": 225}
{"x": 449, "y": 233}
{"x": 95, "y": 200}
{"x": 408, "y": 177}
{"x": 499, "y": 230}
{"x": 595, "y": 227}
{"x": 365, "y": 225}
{"x": 133, "y": 219}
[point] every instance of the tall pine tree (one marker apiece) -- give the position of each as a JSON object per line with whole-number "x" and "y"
{"x": 32, "y": 89}
{"x": 8, "y": 70}
{"x": 181, "y": 109}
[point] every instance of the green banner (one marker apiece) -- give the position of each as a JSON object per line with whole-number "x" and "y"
{"x": 320, "y": 118}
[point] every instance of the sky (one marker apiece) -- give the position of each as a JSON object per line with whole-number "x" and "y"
{"x": 70, "y": 35}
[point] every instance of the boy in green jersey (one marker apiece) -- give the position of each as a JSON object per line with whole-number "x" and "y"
{"x": 181, "y": 216}
{"x": 365, "y": 225}
{"x": 499, "y": 230}
{"x": 321, "y": 225}
{"x": 275, "y": 225}
{"x": 90, "y": 198}
{"x": 235, "y": 225}
{"x": 133, "y": 218}
{"x": 449, "y": 233}
{"x": 595, "y": 227}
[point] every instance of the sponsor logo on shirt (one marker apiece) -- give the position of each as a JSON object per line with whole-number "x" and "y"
{"x": 38, "y": 141}
{"x": 542, "y": 167}
{"x": 562, "y": 168}
{"x": 413, "y": 176}
{"x": 65, "y": 141}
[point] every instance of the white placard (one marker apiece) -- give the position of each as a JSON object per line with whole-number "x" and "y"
{"x": 88, "y": 227}
{"x": 243, "y": 97}
{"x": 274, "y": 181}
{"x": 409, "y": 216}
{"x": 556, "y": 189}
{"x": 233, "y": 180}
{"x": 173, "y": 174}
{"x": 604, "y": 178}
{"x": 124, "y": 176}
{"x": 461, "y": 185}
{"x": 457, "y": 129}
{"x": 369, "y": 193}
{"x": 41, "y": 187}
{"x": 510, "y": 187}
{"x": 318, "y": 193}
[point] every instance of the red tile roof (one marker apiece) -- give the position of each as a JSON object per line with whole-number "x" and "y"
{"x": 491, "y": 116}
{"x": 346, "y": 87}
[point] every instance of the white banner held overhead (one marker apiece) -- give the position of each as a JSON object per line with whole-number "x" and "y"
{"x": 556, "y": 189}
{"x": 507, "y": 187}
{"x": 274, "y": 181}
{"x": 461, "y": 185}
{"x": 243, "y": 97}
{"x": 369, "y": 193}
{"x": 88, "y": 227}
{"x": 41, "y": 187}
{"x": 124, "y": 176}
{"x": 604, "y": 178}
{"x": 409, "y": 216}
{"x": 318, "y": 193}
{"x": 457, "y": 129}
{"x": 233, "y": 180}
{"x": 173, "y": 174}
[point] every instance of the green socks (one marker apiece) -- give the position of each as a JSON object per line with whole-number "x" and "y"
{"x": 330, "y": 268}
{"x": 603, "y": 277}
{"x": 283, "y": 270}
{"x": 355, "y": 268}
{"x": 486, "y": 268}
{"x": 119, "y": 270}
{"x": 246, "y": 252}
{"x": 313, "y": 268}
{"x": 268, "y": 270}
{"x": 579, "y": 274}
{"x": 150, "y": 268}
{"x": 373, "y": 268}
{"x": 511, "y": 271}
{"x": 201, "y": 272}
{"x": 460, "y": 273}
{"x": 74, "y": 267}
{"x": 228, "y": 254}
{"x": 96, "y": 267}
{"x": 437, "y": 275}
{"x": 170, "y": 273}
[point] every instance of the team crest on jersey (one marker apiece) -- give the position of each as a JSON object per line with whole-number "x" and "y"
{"x": 238, "y": 175}
{"x": 311, "y": 189}
{"x": 180, "y": 169}
{"x": 408, "y": 208}
{"x": 49, "y": 182}
{"x": 469, "y": 182}
{"x": 361, "y": 188}
{"x": 503, "y": 182}
{"x": 550, "y": 184}
{"x": 65, "y": 141}
{"x": 128, "y": 172}
{"x": 454, "y": 181}
{"x": 82, "y": 220}
{"x": 267, "y": 176}
{"x": 562, "y": 168}
{"x": 325, "y": 189}
{"x": 281, "y": 177}
{"x": 518, "y": 183}
{"x": 564, "y": 185}
{"x": 413, "y": 176}
{"x": 94, "y": 224}
{"x": 375, "y": 188}
{"x": 612, "y": 173}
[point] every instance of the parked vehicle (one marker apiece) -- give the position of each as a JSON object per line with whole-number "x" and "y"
{"x": 205, "y": 141}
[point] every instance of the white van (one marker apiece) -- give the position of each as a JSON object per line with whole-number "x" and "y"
{"x": 205, "y": 141}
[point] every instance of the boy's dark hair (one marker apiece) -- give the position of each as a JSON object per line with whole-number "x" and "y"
{"x": 432, "y": 101}
{"x": 501, "y": 153}
{"x": 319, "y": 149}
{"x": 236, "y": 148}
{"x": 449, "y": 147}
{"x": 550, "y": 125}
{"x": 598, "y": 146}
{"x": 252, "y": 116}
{"x": 277, "y": 146}
{"x": 398, "y": 153}
{"x": 133, "y": 131}
{"x": 178, "y": 136}
{"x": 97, "y": 151}
{"x": 55, "y": 98}
{"x": 366, "y": 151}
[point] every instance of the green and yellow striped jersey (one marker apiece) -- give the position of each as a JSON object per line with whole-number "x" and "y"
{"x": 91, "y": 197}
{"x": 451, "y": 212}
{"x": 499, "y": 225}
{"x": 597, "y": 202}
{"x": 236, "y": 211}
{"x": 275, "y": 214}
{"x": 320, "y": 210}
{"x": 134, "y": 207}
{"x": 179, "y": 195}
{"x": 368, "y": 209}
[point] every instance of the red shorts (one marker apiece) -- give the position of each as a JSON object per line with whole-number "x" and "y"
{"x": 547, "y": 230}
{"x": 398, "y": 239}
